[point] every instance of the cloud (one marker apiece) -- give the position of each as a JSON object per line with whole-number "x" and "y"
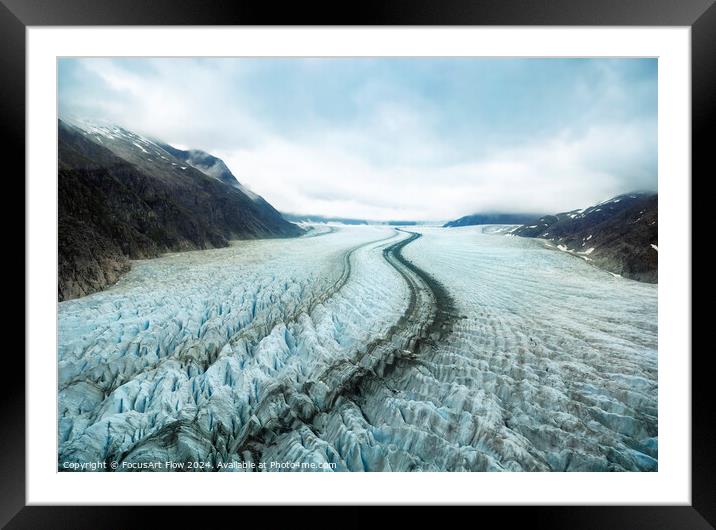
{"x": 547, "y": 175}
{"x": 394, "y": 139}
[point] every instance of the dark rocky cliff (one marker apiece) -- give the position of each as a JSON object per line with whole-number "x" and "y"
{"x": 619, "y": 235}
{"x": 491, "y": 219}
{"x": 122, "y": 197}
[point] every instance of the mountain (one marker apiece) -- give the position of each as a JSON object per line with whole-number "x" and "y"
{"x": 209, "y": 165}
{"x": 619, "y": 235}
{"x": 492, "y": 219}
{"x": 122, "y": 196}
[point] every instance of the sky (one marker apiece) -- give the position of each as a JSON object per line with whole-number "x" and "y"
{"x": 392, "y": 138}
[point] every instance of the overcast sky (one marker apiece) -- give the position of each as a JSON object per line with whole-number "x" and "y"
{"x": 430, "y": 139}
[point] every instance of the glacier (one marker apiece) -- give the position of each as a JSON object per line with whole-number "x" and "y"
{"x": 364, "y": 348}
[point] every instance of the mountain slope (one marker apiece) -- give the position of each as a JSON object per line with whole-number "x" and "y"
{"x": 122, "y": 196}
{"x": 491, "y": 219}
{"x": 209, "y": 165}
{"x": 619, "y": 235}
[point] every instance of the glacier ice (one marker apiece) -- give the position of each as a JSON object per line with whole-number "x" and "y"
{"x": 321, "y": 350}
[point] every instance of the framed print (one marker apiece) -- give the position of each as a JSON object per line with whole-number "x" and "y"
{"x": 408, "y": 258}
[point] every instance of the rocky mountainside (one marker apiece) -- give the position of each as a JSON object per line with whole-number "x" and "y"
{"x": 491, "y": 219}
{"x": 619, "y": 235}
{"x": 122, "y": 196}
{"x": 209, "y": 165}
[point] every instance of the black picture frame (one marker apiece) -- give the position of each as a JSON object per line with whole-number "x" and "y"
{"x": 699, "y": 15}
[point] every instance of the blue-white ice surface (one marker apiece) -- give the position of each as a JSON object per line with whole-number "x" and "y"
{"x": 551, "y": 363}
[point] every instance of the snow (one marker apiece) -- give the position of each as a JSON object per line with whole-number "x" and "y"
{"x": 531, "y": 370}
{"x": 126, "y": 141}
{"x": 142, "y": 148}
{"x": 91, "y": 128}
{"x": 202, "y": 335}
{"x": 655, "y": 247}
{"x": 499, "y": 229}
{"x": 547, "y": 364}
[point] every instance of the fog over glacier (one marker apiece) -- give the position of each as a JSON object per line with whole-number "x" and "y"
{"x": 365, "y": 348}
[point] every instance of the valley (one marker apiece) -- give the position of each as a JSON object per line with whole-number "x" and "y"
{"x": 364, "y": 348}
